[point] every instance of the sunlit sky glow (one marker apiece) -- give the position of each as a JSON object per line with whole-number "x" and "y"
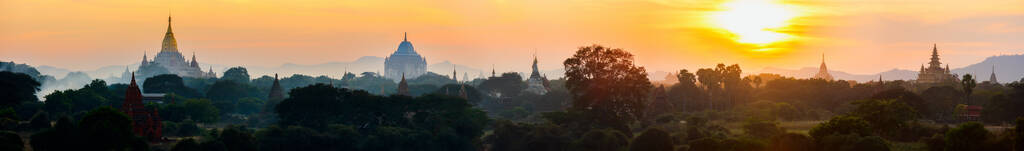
{"x": 859, "y": 36}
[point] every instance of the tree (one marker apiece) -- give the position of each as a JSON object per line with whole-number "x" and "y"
{"x": 606, "y": 84}
{"x": 901, "y": 94}
{"x": 653, "y": 140}
{"x": 1018, "y": 130}
{"x": 791, "y": 142}
{"x": 11, "y": 141}
{"x": 762, "y": 129}
{"x": 16, "y": 88}
{"x": 884, "y": 116}
{"x": 201, "y": 110}
{"x": 968, "y": 84}
{"x": 250, "y": 105}
{"x": 225, "y": 94}
{"x": 40, "y": 120}
{"x": 236, "y": 74}
{"x": 237, "y": 138}
{"x": 61, "y": 137}
{"x": 507, "y": 85}
{"x": 940, "y": 101}
{"x": 188, "y": 144}
{"x": 685, "y": 94}
{"x": 168, "y": 83}
{"x": 841, "y": 125}
{"x": 602, "y": 140}
{"x": 106, "y": 128}
{"x": 711, "y": 81}
{"x": 967, "y": 137}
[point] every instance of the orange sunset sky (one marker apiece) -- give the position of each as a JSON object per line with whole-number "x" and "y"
{"x": 858, "y": 36}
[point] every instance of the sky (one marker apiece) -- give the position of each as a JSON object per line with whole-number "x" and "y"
{"x": 856, "y": 36}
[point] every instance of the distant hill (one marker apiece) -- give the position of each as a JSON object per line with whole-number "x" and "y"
{"x": 807, "y": 72}
{"x": 69, "y": 80}
{"x": 1008, "y": 69}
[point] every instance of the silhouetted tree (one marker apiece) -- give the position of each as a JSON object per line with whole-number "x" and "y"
{"x": 791, "y": 142}
{"x": 602, "y": 140}
{"x": 507, "y": 85}
{"x": 607, "y": 85}
{"x": 40, "y": 120}
{"x": 225, "y": 94}
{"x": 710, "y": 80}
{"x": 884, "y": 116}
{"x": 968, "y": 83}
{"x": 17, "y": 88}
{"x": 11, "y": 141}
{"x": 188, "y": 144}
{"x": 969, "y": 136}
{"x": 841, "y": 125}
{"x": 652, "y": 140}
{"x": 168, "y": 83}
{"x": 106, "y": 128}
{"x": 685, "y": 94}
{"x": 237, "y": 74}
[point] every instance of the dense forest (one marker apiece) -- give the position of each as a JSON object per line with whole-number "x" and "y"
{"x": 604, "y": 103}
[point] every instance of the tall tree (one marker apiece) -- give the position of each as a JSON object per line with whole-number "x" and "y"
{"x": 710, "y": 80}
{"x": 968, "y": 84}
{"x": 605, "y": 82}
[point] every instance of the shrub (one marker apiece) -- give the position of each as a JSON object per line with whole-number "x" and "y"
{"x": 652, "y": 140}
{"x": 841, "y": 125}
{"x": 967, "y": 137}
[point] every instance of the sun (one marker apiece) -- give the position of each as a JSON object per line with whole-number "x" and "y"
{"x": 754, "y": 21}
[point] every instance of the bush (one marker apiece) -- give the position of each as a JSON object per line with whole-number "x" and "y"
{"x": 791, "y": 142}
{"x": 188, "y": 144}
{"x": 40, "y": 121}
{"x": 935, "y": 143}
{"x": 841, "y": 125}
{"x": 602, "y": 140}
{"x": 652, "y": 140}
{"x": 852, "y": 142}
{"x": 969, "y": 136}
{"x": 11, "y": 141}
{"x": 762, "y": 129}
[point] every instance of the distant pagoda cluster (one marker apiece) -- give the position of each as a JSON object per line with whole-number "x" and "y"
{"x": 170, "y": 61}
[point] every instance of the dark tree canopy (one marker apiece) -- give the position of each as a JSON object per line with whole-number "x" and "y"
{"x": 11, "y": 141}
{"x": 430, "y": 122}
{"x": 606, "y": 83}
{"x": 225, "y": 94}
{"x": 653, "y": 140}
{"x": 16, "y": 88}
{"x": 168, "y": 83}
{"x": 237, "y": 74}
{"x": 507, "y": 85}
{"x": 884, "y": 116}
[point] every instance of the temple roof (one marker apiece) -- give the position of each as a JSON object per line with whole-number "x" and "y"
{"x": 405, "y": 48}
{"x": 169, "y": 43}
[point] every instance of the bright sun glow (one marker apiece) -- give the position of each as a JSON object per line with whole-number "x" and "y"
{"x": 754, "y": 21}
